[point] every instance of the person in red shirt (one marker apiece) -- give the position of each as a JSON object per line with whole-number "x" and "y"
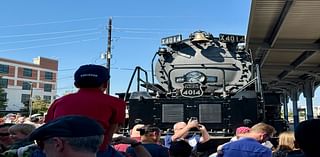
{"x": 91, "y": 101}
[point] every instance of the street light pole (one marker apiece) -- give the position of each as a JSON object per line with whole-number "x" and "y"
{"x": 30, "y": 99}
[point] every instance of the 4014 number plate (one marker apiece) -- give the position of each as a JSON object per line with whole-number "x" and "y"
{"x": 191, "y": 90}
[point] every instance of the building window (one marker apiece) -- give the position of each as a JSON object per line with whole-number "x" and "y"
{"x": 3, "y": 83}
{"x": 27, "y": 72}
{"x": 47, "y": 87}
{"x": 25, "y": 98}
{"x": 47, "y": 98}
{"x": 48, "y": 75}
{"x": 26, "y": 86}
{"x": 4, "y": 69}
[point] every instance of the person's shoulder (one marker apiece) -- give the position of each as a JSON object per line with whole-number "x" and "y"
{"x": 241, "y": 142}
{"x": 163, "y": 148}
{"x": 62, "y": 98}
{"x": 114, "y": 99}
{"x": 154, "y": 145}
{"x": 154, "y": 148}
{"x": 295, "y": 153}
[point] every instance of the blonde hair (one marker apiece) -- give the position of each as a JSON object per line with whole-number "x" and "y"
{"x": 263, "y": 128}
{"x": 286, "y": 139}
{"x": 25, "y": 129}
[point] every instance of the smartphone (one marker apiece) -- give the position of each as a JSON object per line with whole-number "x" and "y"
{"x": 193, "y": 118}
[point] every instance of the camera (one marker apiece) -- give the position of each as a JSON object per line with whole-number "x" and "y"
{"x": 193, "y": 118}
{"x": 148, "y": 129}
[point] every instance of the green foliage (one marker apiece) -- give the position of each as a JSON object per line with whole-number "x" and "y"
{"x": 39, "y": 105}
{"x": 3, "y": 102}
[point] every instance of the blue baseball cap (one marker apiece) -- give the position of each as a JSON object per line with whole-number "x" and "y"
{"x": 91, "y": 76}
{"x": 68, "y": 126}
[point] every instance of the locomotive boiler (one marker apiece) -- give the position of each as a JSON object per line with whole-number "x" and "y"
{"x": 202, "y": 76}
{"x": 203, "y": 65}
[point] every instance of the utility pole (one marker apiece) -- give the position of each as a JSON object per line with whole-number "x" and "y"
{"x": 108, "y": 57}
{"x": 30, "y": 99}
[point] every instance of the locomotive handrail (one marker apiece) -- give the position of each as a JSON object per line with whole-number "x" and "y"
{"x": 259, "y": 89}
{"x": 208, "y": 64}
{"x": 136, "y": 70}
{"x": 247, "y": 85}
{"x": 205, "y": 65}
{"x": 152, "y": 71}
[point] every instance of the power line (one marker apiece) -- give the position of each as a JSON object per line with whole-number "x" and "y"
{"x": 153, "y": 29}
{"x": 142, "y": 32}
{"x": 67, "y": 69}
{"x": 49, "y": 45}
{"x": 114, "y": 68}
{"x": 54, "y": 22}
{"x": 96, "y": 18}
{"x": 135, "y": 38}
{"x": 66, "y": 77}
{"x": 43, "y": 39}
{"x": 48, "y": 33}
{"x": 66, "y": 87}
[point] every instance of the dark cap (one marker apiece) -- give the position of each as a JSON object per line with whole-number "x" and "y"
{"x": 68, "y": 126}
{"x": 91, "y": 76}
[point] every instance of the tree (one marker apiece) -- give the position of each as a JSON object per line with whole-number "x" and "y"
{"x": 39, "y": 105}
{"x": 3, "y": 100}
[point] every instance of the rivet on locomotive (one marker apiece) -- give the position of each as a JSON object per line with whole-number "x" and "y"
{"x": 211, "y": 78}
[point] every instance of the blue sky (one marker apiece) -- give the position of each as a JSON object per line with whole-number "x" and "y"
{"x": 73, "y": 31}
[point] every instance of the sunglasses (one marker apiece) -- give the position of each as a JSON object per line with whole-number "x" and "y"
{"x": 4, "y": 134}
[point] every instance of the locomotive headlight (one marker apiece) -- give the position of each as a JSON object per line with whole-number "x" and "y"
{"x": 195, "y": 76}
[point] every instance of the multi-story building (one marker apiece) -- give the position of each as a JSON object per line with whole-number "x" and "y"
{"x": 22, "y": 81}
{"x": 315, "y": 108}
{"x": 316, "y": 111}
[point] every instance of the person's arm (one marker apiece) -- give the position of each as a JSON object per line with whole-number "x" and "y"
{"x": 113, "y": 128}
{"x": 204, "y": 134}
{"x": 179, "y": 133}
{"x": 138, "y": 148}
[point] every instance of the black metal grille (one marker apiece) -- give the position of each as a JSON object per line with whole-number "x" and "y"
{"x": 210, "y": 113}
{"x": 172, "y": 113}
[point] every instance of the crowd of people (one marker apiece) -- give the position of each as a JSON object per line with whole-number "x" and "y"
{"x": 83, "y": 124}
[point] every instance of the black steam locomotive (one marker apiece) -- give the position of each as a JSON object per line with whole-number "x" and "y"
{"x": 211, "y": 78}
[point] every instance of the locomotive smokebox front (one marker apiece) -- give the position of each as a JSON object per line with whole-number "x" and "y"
{"x": 203, "y": 65}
